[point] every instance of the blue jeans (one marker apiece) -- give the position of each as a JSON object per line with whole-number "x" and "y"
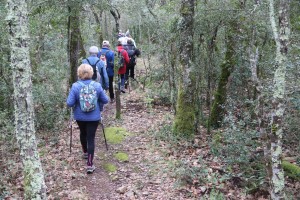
{"x": 122, "y": 81}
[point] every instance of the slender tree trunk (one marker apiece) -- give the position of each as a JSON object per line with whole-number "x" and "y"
{"x": 99, "y": 28}
{"x": 76, "y": 51}
{"x": 279, "y": 94}
{"x": 116, "y": 15}
{"x": 105, "y": 26}
{"x": 34, "y": 184}
{"x": 172, "y": 72}
{"x": 217, "y": 111}
{"x": 185, "y": 113}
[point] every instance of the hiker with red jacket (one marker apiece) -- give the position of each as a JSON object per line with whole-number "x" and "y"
{"x": 122, "y": 70}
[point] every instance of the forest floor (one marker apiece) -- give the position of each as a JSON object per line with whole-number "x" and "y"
{"x": 143, "y": 176}
{"x": 154, "y": 164}
{"x": 159, "y": 165}
{"x": 155, "y": 169}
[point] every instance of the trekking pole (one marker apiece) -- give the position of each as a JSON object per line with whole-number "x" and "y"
{"x": 102, "y": 126}
{"x": 71, "y": 129}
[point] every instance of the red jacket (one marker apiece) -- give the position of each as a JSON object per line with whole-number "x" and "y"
{"x": 122, "y": 70}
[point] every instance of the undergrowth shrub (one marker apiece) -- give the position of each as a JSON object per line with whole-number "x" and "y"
{"x": 50, "y": 82}
{"x": 238, "y": 147}
{"x": 9, "y": 159}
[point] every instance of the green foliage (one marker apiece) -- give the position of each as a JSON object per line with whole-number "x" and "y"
{"x": 123, "y": 157}
{"x": 202, "y": 174}
{"x": 291, "y": 170}
{"x": 115, "y": 135}
{"x": 109, "y": 167}
{"x": 165, "y": 133}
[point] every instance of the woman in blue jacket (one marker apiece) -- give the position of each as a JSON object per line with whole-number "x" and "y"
{"x": 87, "y": 121}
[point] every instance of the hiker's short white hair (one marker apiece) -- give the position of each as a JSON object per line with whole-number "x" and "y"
{"x": 105, "y": 43}
{"x": 93, "y": 50}
{"x": 85, "y": 72}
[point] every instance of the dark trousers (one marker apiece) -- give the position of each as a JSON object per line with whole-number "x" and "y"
{"x": 121, "y": 80}
{"x": 129, "y": 71}
{"x": 111, "y": 88}
{"x": 87, "y": 138}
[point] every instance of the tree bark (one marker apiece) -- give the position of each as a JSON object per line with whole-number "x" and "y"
{"x": 184, "y": 122}
{"x": 76, "y": 51}
{"x": 34, "y": 184}
{"x": 98, "y": 20}
{"x": 279, "y": 93}
{"x": 115, "y": 13}
{"x": 217, "y": 110}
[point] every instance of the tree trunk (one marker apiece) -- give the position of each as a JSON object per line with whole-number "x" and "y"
{"x": 279, "y": 94}
{"x": 76, "y": 51}
{"x": 106, "y": 26}
{"x": 185, "y": 112}
{"x": 217, "y": 111}
{"x": 115, "y": 13}
{"x": 98, "y": 20}
{"x": 34, "y": 184}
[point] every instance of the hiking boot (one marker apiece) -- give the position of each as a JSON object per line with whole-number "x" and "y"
{"x": 123, "y": 89}
{"x": 85, "y": 155}
{"x": 112, "y": 100}
{"x": 126, "y": 84}
{"x": 90, "y": 169}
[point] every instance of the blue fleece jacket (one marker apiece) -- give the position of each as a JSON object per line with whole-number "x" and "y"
{"x": 110, "y": 58}
{"x": 73, "y": 101}
{"x": 101, "y": 69}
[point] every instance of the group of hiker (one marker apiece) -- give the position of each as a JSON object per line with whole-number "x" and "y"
{"x": 95, "y": 76}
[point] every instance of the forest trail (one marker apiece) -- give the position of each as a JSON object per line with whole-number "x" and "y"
{"x": 158, "y": 165}
{"x": 142, "y": 176}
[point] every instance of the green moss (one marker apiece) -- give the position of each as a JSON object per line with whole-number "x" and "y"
{"x": 274, "y": 129}
{"x": 115, "y": 135}
{"x": 217, "y": 110}
{"x": 42, "y": 152}
{"x": 217, "y": 138}
{"x": 185, "y": 116}
{"x": 109, "y": 167}
{"x": 291, "y": 170}
{"x": 123, "y": 157}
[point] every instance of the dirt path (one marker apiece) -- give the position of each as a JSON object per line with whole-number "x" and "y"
{"x": 142, "y": 176}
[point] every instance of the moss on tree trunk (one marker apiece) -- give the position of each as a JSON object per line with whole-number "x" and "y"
{"x": 184, "y": 122}
{"x": 217, "y": 111}
{"x": 17, "y": 17}
{"x": 292, "y": 170}
{"x": 276, "y": 134}
{"x": 76, "y": 49}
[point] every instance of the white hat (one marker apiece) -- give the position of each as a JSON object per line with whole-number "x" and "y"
{"x": 93, "y": 49}
{"x": 105, "y": 43}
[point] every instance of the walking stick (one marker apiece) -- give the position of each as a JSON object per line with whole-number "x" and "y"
{"x": 102, "y": 126}
{"x": 71, "y": 129}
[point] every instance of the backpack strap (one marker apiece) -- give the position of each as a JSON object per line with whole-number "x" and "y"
{"x": 88, "y": 61}
{"x": 91, "y": 64}
{"x": 92, "y": 83}
{"x": 81, "y": 83}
